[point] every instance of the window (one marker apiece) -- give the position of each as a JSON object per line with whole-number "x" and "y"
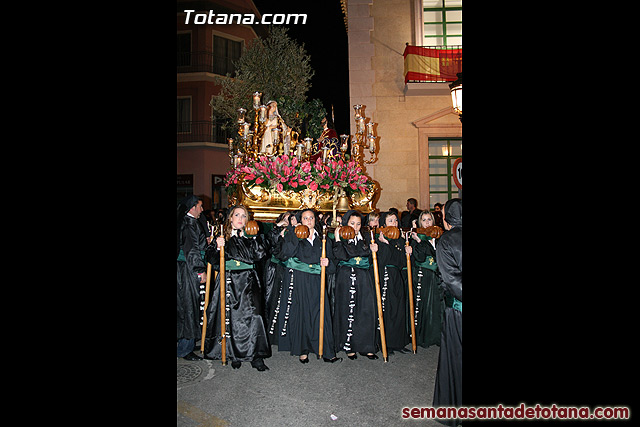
{"x": 184, "y": 115}
{"x": 225, "y": 52}
{"x": 442, "y": 22}
{"x": 442, "y": 153}
{"x": 184, "y": 49}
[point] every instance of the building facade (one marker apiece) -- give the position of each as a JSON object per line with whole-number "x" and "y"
{"x": 206, "y": 51}
{"x": 421, "y": 136}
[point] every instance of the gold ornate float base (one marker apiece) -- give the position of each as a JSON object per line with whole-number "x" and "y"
{"x": 268, "y": 204}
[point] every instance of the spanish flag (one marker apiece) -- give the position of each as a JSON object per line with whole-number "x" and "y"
{"x": 431, "y": 64}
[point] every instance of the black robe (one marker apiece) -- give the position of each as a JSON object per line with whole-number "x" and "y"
{"x": 355, "y": 320}
{"x": 448, "y": 386}
{"x": 427, "y": 295}
{"x": 272, "y": 280}
{"x": 244, "y": 323}
{"x": 192, "y": 246}
{"x": 391, "y": 259}
{"x": 298, "y": 312}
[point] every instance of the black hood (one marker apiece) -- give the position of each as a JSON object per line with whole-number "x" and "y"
{"x": 453, "y": 212}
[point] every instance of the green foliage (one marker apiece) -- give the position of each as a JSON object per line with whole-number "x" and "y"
{"x": 280, "y": 68}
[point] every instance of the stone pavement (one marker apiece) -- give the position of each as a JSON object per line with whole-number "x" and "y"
{"x": 355, "y": 392}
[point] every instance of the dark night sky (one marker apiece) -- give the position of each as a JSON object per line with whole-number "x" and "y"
{"x": 325, "y": 39}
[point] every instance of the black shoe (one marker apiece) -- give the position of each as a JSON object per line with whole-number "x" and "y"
{"x": 403, "y": 351}
{"x": 305, "y": 360}
{"x": 192, "y": 356}
{"x": 333, "y": 360}
{"x": 370, "y": 356}
{"x": 354, "y": 356}
{"x": 235, "y": 364}
{"x": 258, "y": 363}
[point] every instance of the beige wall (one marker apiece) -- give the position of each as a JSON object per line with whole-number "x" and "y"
{"x": 378, "y": 32}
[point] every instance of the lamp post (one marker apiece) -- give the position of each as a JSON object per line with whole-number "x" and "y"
{"x": 456, "y": 95}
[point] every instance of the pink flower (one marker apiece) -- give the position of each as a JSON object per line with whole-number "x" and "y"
{"x": 294, "y": 184}
{"x": 259, "y": 180}
{"x": 306, "y": 167}
{"x": 279, "y": 187}
{"x": 313, "y": 186}
{"x": 353, "y": 186}
{"x": 294, "y": 162}
{"x": 325, "y": 186}
{"x": 250, "y": 177}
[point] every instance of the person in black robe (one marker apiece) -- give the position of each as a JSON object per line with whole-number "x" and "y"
{"x": 448, "y": 386}
{"x": 246, "y": 337}
{"x": 428, "y": 302}
{"x": 391, "y": 259}
{"x": 299, "y": 308}
{"x": 273, "y": 274}
{"x": 192, "y": 275}
{"x": 356, "y": 317}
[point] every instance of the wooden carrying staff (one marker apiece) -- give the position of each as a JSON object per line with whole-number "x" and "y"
{"x": 223, "y": 294}
{"x": 378, "y": 298}
{"x": 411, "y": 315}
{"x": 322, "y": 287}
{"x": 206, "y": 302}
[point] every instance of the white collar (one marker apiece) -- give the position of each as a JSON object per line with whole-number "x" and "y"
{"x": 355, "y": 239}
{"x": 312, "y": 236}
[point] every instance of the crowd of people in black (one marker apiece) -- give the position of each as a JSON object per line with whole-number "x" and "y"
{"x": 273, "y": 284}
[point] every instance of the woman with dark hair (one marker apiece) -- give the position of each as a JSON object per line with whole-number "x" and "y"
{"x": 298, "y": 311}
{"x": 246, "y": 338}
{"x": 391, "y": 260}
{"x": 355, "y": 318}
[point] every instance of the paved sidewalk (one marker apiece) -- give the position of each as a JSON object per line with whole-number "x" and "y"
{"x": 355, "y": 392}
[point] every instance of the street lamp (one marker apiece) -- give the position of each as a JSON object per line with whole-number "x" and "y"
{"x": 456, "y": 95}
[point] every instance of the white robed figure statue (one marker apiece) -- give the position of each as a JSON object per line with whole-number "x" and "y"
{"x": 274, "y": 120}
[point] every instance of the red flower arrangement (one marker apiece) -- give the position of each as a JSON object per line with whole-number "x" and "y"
{"x": 284, "y": 173}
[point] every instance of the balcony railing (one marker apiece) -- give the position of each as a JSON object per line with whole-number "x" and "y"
{"x": 194, "y": 62}
{"x": 203, "y": 131}
{"x": 432, "y": 63}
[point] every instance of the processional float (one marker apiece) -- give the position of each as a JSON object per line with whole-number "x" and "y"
{"x": 273, "y": 177}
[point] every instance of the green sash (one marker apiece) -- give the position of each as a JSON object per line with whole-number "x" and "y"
{"x": 296, "y": 264}
{"x": 181, "y": 256}
{"x": 356, "y": 262}
{"x": 233, "y": 264}
{"x": 452, "y": 302}
{"x": 429, "y": 263}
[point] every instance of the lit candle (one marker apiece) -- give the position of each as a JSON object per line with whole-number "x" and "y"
{"x": 370, "y": 126}
{"x": 263, "y": 113}
{"x": 372, "y": 144}
{"x": 256, "y": 100}
{"x": 307, "y": 143}
{"x": 357, "y": 109}
{"x": 241, "y": 112}
{"x": 345, "y": 141}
